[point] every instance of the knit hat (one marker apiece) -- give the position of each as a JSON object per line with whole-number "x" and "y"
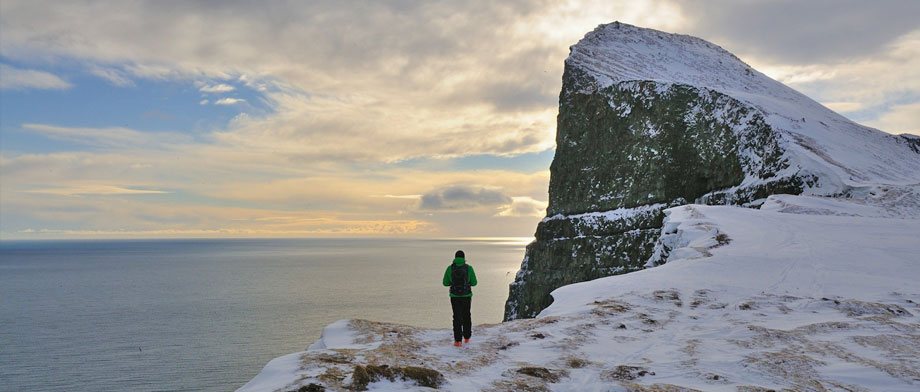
{"x": 459, "y": 254}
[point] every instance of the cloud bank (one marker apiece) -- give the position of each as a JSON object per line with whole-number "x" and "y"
{"x": 463, "y": 197}
{"x": 356, "y": 92}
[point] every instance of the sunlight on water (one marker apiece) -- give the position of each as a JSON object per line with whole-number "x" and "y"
{"x": 514, "y": 241}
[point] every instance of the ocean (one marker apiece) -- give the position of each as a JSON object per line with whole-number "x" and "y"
{"x": 207, "y": 315}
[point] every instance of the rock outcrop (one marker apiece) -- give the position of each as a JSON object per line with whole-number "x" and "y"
{"x": 649, "y": 120}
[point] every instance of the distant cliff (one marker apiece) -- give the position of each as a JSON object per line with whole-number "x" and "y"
{"x": 650, "y": 120}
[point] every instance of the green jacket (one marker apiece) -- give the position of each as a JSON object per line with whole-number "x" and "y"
{"x": 471, "y": 274}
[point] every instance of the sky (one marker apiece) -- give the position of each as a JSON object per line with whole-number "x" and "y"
{"x": 137, "y": 119}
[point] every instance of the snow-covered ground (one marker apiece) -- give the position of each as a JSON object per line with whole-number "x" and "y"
{"x": 806, "y": 293}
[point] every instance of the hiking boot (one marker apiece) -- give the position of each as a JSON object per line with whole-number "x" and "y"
{"x": 466, "y": 340}
{"x": 456, "y": 344}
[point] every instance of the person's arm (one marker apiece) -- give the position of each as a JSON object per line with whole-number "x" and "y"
{"x": 446, "y": 279}
{"x": 472, "y": 275}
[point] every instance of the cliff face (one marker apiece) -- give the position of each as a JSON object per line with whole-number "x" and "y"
{"x": 650, "y": 120}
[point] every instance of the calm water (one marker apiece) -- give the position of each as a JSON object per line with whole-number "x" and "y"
{"x": 206, "y": 315}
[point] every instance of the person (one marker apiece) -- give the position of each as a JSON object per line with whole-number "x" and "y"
{"x": 460, "y": 277}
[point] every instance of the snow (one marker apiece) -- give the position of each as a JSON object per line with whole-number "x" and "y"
{"x": 774, "y": 252}
{"x": 339, "y": 335}
{"x": 875, "y": 201}
{"x": 612, "y": 215}
{"x": 277, "y": 374}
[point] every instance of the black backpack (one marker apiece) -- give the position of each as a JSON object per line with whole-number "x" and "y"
{"x": 459, "y": 280}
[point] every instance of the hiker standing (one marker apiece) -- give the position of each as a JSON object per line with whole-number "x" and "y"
{"x": 460, "y": 277}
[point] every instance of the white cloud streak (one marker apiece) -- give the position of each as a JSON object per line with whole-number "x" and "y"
{"x": 114, "y": 137}
{"x": 217, "y": 88}
{"x": 114, "y": 76}
{"x": 23, "y": 79}
{"x": 103, "y": 190}
{"x": 229, "y": 101}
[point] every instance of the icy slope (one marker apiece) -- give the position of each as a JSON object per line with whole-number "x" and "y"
{"x": 818, "y": 140}
{"x": 808, "y": 293}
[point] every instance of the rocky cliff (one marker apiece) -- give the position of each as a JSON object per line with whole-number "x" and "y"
{"x": 650, "y": 120}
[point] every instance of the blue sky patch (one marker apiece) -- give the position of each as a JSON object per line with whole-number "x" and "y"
{"x": 183, "y": 106}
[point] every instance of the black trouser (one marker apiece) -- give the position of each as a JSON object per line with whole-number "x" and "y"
{"x": 462, "y": 323}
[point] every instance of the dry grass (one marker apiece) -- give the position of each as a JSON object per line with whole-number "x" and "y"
{"x": 364, "y": 375}
{"x": 626, "y": 373}
{"x": 668, "y": 295}
{"x": 577, "y": 363}
{"x": 631, "y": 387}
{"x": 542, "y": 373}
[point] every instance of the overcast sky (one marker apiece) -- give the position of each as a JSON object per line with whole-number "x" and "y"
{"x": 428, "y": 118}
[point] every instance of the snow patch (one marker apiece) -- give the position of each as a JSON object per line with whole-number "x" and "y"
{"x": 616, "y": 214}
{"x": 278, "y": 373}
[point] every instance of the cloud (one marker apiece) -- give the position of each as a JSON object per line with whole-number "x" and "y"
{"x": 359, "y": 128}
{"x": 438, "y": 79}
{"x": 335, "y": 189}
{"x": 524, "y": 206}
{"x": 114, "y": 137}
{"x": 229, "y": 101}
{"x": 112, "y": 75}
{"x": 239, "y": 223}
{"x": 210, "y": 185}
{"x": 99, "y": 190}
{"x": 12, "y": 78}
{"x": 355, "y": 88}
{"x": 803, "y": 32}
{"x": 463, "y": 197}
{"x": 844, "y": 107}
{"x": 323, "y": 228}
{"x": 867, "y": 87}
{"x": 407, "y": 197}
{"x": 217, "y": 88}
{"x": 900, "y": 119}
{"x": 859, "y": 58}
{"x": 90, "y": 211}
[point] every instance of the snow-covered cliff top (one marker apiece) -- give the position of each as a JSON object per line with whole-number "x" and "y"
{"x": 818, "y": 140}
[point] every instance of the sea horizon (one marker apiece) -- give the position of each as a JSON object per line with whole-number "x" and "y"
{"x": 523, "y": 240}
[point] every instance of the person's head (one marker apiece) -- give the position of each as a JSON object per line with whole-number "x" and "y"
{"x": 459, "y": 254}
